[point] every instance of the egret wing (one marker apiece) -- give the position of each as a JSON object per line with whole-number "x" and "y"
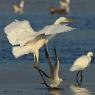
{"x": 80, "y": 63}
{"x": 20, "y": 51}
{"x": 19, "y": 32}
{"x": 54, "y": 29}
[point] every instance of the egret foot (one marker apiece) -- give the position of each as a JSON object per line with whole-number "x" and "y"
{"x": 35, "y": 66}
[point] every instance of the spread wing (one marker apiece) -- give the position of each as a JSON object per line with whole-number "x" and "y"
{"x": 29, "y": 47}
{"x": 20, "y": 51}
{"x": 55, "y": 29}
{"x": 19, "y": 32}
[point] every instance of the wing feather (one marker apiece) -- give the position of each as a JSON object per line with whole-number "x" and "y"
{"x": 19, "y": 32}
{"x": 19, "y": 51}
{"x": 80, "y": 63}
{"x": 54, "y": 29}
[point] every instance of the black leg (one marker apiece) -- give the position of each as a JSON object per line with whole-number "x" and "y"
{"x": 81, "y": 78}
{"x": 44, "y": 81}
{"x": 77, "y": 78}
{"x": 40, "y": 70}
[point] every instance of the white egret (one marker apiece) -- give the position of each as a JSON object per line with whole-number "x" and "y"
{"x": 80, "y": 64}
{"x": 54, "y": 79}
{"x": 25, "y": 40}
{"x": 19, "y": 8}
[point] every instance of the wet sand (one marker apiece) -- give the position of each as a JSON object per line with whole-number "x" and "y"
{"x": 23, "y": 79}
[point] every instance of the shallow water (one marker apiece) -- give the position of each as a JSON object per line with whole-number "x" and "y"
{"x": 22, "y": 79}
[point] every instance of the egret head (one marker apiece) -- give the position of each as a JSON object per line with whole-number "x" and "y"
{"x": 90, "y": 54}
{"x": 62, "y": 20}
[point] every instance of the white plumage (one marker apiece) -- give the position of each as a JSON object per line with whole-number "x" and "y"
{"x": 30, "y": 47}
{"x": 82, "y": 62}
{"x": 21, "y": 33}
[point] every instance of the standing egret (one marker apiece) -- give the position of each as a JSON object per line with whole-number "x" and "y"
{"x": 25, "y": 40}
{"x": 19, "y": 8}
{"x": 80, "y": 64}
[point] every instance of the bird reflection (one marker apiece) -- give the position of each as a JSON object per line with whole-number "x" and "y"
{"x": 55, "y": 92}
{"x": 77, "y": 90}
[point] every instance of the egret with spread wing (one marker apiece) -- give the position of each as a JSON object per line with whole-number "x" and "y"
{"x": 25, "y": 40}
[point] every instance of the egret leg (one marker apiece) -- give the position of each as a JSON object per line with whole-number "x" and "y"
{"x": 35, "y": 61}
{"x": 42, "y": 72}
{"x": 77, "y": 80}
{"x": 77, "y": 75}
{"x": 44, "y": 81}
{"x": 36, "y": 56}
{"x": 81, "y": 77}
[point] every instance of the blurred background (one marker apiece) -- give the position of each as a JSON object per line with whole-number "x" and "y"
{"x": 69, "y": 45}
